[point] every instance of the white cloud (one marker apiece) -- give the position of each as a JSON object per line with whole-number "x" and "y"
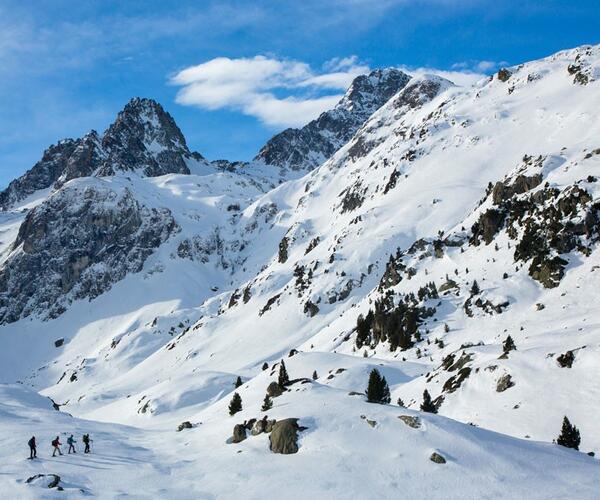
{"x": 479, "y": 66}
{"x": 250, "y": 86}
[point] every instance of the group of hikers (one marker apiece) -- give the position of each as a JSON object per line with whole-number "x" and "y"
{"x": 56, "y": 444}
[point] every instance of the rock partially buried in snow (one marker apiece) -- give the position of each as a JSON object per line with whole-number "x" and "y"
{"x": 437, "y": 458}
{"x": 274, "y": 390}
{"x": 184, "y": 425}
{"x": 239, "y": 433}
{"x": 284, "y": 437}
{"x": 414, "y": 422}
{"x": 504, "y": 382}
{"x": 53, "y": 478}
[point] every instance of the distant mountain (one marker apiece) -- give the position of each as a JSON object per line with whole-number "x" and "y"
{"x": 308, "y": 147}
{"x": 144, "y": 139}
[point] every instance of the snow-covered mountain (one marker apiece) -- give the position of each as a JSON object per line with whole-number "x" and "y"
{"x": 306, "y": 148}
{"x": 448, "y": 220}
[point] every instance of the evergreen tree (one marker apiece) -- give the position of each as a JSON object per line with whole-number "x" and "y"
{"x": 569, "y": 435}
{"x": 236, "y": 404}
{"x": 400, "y": 402}
{"x": 475, "y": 288}
{"x": 509, "y": 344}
{"x": 238, "y": 382}
{"x": 378, "y": 390}
{"x": 315, "y": 375}
{"x": 427, "y": 405}
{"x": 283, "y": 375}
{"x": 267, "y": 403}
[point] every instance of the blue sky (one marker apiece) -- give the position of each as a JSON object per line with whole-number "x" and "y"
{"x": 232, "y": 72}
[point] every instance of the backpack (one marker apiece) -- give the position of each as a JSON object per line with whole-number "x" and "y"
{"x": 55, "y": 443}
{"x": 31, "y": 443}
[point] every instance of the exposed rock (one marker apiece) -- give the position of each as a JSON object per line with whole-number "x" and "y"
{"x": 504, "y": 382}
{"x": 306, "y": 148}
{"x": 259, "y": 427}
{"x": 548, "y": 271}
{"x": 566, "y": 360}
{"x": 239, "y": 433}
{"x": 75, "y": 245}
{"x": 487, "y": 226}
{"x": 274, "y": 390}
{"x": 283, "y": 249}
{"x": 284, "y": 436}
{"x": 54, "y": 480}
{"x": 414, "y": 422}
{"x": 310, "y": 308}
{"x": 448, "y": 285}
{"x": 504, "y": 74}
{"x": 503, "y": 191}
{"x": 59, "y": 342}
{"x": 437, "y": 458}
{"x": 144, "y": 138}
{"x": 454, "y": 382}
{"x": 184, "y": 425}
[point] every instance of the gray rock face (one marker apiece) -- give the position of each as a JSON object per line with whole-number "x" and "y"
{"x": 414, "y": 422}
{"x": 75, "y": 245}
{"x": 504, "y": 382}
{"x": 274, "y": 390}
{"x": 144, "y": 138}
{"x": 308, "y": 147}
{"x": 239, "y": 433}
{"x": 437, "y": 458}
{"x": 284, "y": 437}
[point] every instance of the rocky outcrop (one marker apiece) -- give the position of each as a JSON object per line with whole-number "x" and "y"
{"x": 505, "y": 382}
{"x": 239, "y": 433}
{"x": 76, "y": 245}
{"x": 144, "y": 139}
{"x": 274, "y": 390}
{"x": 308, "y": 147}
{"x": 414, "y": 422}
{"x": 436, "y": 458}
{"x": 284, "y": 436}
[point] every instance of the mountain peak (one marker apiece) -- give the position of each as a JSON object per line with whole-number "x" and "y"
{"x": 306, "y": 148}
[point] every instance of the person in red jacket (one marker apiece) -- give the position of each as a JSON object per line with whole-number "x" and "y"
{"x": 56, "y": 443}
{"x": 32, "y": 448}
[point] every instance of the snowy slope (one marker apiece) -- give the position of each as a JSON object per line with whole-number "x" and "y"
{"x": 446, "y": 185}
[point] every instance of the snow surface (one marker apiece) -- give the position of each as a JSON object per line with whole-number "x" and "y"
{"x": 164, "y": 345}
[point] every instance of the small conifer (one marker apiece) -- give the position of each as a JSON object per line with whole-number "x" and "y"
{"x": 236, "y": 404}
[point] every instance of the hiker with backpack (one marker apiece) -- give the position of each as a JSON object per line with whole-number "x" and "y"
{"x": 56, "y": 444}
{"x": 71, "y": 442}
{"x": 32, "y": 448}
{"x": 86, "y": 440}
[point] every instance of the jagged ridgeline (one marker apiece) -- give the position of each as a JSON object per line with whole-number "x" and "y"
{"x": 443, "y": 235}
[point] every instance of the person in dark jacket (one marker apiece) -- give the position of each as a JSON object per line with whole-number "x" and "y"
{"x": 56, "y": 443}
{"x": 86, "y": 441}
{"x": 71, "y": 442}
{"x": 32, "y": 447}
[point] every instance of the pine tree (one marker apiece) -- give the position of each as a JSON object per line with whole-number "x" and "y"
{"x": 267, "y": 403}
{"x": 378, "y": 390}
{"x": 509, "y": 344}
{"x": 446, "y": 328}
{"x": 238, "y": 382}
{"x": 400, "y": 402}
{"x": 475, "y": 288}
{"x": 283, "y": 375}
{"x": 569, "y": 435}
{"x": 427, "y": 405}
{"x": 315, "y": 375}
{"x": 236, "y": 404}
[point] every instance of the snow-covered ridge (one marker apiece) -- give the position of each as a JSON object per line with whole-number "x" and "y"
{"x": 440, "y": 188}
